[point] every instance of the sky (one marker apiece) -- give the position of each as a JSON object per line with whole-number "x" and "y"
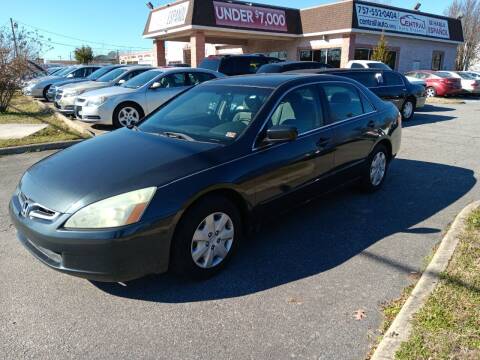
{"x": 108, "y": 25}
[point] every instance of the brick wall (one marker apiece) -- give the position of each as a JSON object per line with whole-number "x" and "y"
{"x": 327, "y": 17}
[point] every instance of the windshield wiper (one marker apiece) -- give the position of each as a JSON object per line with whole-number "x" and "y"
{"x": 177, "y": 135}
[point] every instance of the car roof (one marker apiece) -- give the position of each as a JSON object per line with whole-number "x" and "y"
{"x": 136, "y": 67}
{"x": 326, "y": 71}
{"x": 366, "y": 61}
{"x": 273, "y": 80}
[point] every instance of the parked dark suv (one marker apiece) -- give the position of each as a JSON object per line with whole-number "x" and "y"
{"x": 389, "y": 85}
{"x": 236, "y": 64}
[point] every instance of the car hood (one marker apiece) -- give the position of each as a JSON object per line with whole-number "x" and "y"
{"x": 109, "y": 91}
{"x": 101, "y": 167}
{"x": 70, "y": 81}
{"x": 86, "y": 85}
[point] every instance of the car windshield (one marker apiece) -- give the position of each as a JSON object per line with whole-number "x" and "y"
{"x": 443, "y": 74}
{"x": 378, "y": 66}
{"x": 65, "y": 71}
{"x": 142, "y": 79}
{"x": 99, "y": 72}
{"x": 212, "y": 113}
{"x": 112, "y": 75}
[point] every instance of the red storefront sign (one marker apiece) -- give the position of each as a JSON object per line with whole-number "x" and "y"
{"x": 252, "y": 17}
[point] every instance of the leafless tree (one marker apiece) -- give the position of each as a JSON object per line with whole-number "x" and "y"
{"x": 14, "y": 61}
{"x": 469, "y": 13}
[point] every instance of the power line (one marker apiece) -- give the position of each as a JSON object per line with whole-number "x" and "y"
{"x": 82, "y": 40}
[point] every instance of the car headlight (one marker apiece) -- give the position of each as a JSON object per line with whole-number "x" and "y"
{"x": 115, "y": 211}
{"x": 97, "y": 101}
{"x": 73, "y": 93}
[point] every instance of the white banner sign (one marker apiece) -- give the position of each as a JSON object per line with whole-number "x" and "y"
{"x": 379, "y": 18}
{"x": 168, "y": 17}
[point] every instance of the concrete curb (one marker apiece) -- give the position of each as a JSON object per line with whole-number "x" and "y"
{"x": 401, "y": 327}
{"x": 38, "y": 147}
{"x": 71, "y": 124}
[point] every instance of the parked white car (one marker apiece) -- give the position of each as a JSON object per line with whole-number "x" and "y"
{"x": 469, "y": 84}
{"x": 367, "y": 64}
{"x": 66, "y": 95}
{"x": 125, "y": 105}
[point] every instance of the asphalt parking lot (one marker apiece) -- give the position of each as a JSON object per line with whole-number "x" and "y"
{"x": 293, "y": 288}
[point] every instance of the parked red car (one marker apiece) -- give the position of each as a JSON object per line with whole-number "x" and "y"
{"x": 439, "y": 83}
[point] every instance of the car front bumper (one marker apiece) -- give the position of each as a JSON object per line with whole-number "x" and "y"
{"x": 94, "y": 114}
{"x": 110, "y": 255}
{"x": 65, "y": 104}
{"x": 420, "y": 102}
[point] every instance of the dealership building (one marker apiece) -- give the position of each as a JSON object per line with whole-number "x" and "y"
{"x": 331, "y": 33}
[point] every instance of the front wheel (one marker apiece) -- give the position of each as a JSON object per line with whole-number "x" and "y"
{"x": 206, "y": 238}
{"x": 376, "y": 169}
{"x": 127, "y": 115}
{"x": 408, "y": 109}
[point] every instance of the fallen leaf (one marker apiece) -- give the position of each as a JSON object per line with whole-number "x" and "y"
{"x": 295, "y": 301}
{"x": 359, "y": 314}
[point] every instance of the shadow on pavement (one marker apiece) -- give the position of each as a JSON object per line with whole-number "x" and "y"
{"x": 425, "y": 118}
{"x": 433, "y": 108}
{"x": 319, "y": 236}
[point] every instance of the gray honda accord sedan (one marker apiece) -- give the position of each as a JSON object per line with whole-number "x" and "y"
{"x": 179, "y": 190}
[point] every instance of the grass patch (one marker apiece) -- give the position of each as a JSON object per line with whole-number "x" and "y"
{"x": 24, "y": 110}
{"x": 443, "y": 100}
{"x": 448, "y": 325}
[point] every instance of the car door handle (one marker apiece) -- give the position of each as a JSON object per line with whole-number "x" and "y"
{"x": 322, "y": 143}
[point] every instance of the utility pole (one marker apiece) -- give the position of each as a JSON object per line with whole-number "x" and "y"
{"x": 14, "y": 37}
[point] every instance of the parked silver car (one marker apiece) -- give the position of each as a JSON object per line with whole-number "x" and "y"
{"x": 125, "y": 105}
{"x": 66, "y": 95}
{"x": 39, "y": 89}
{"x": 52, "y": 91}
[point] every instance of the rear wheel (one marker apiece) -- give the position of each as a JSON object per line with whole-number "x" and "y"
{"x": 206, "y": 238}
{"x": 408, "y": 109}
{"x": 376, "y": 169}
{"x": 430, "y": 92}
{"x": 126, "y": 115}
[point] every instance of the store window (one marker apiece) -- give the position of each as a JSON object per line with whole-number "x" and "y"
{"x": 437, "y": 60}
{"x": 327, "y": 56}
{"x": 366, "y": 54}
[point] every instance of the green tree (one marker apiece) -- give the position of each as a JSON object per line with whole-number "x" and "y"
{"x": 380, "y": 52}
{"x": 84, "y": 54}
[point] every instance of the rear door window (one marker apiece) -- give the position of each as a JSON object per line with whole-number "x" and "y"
{"x": 343, "y": 101}
{"x": 392, "y": 79}
{"x": 366, "y": 78}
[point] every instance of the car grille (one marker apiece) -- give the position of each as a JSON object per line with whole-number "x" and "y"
{"x": 30, "y": 209}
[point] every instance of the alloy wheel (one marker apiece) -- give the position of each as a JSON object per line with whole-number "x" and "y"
{"x": 407, "y": 110}
{"x": 212, "y": 240}
{"x": 377, "y": 168}
{"x": 430, "y": 92}
{"x": 128, "y": 116}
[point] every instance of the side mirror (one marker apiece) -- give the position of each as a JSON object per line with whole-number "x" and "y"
{"x": 281, "y": 133}
{"x": 69, "y": 76}
{"x": 155, "y": 85}
{"x": 120, "y": 82}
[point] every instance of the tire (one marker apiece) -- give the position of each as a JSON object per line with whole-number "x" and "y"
{"x": 430, "y": 92}
{"x": 185, "y": 245}
{"x": 370, "y": 183}
{"x": 121, "y": 115}
{"x": 45, "y": 92}
{"x": 408, "y": 109}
